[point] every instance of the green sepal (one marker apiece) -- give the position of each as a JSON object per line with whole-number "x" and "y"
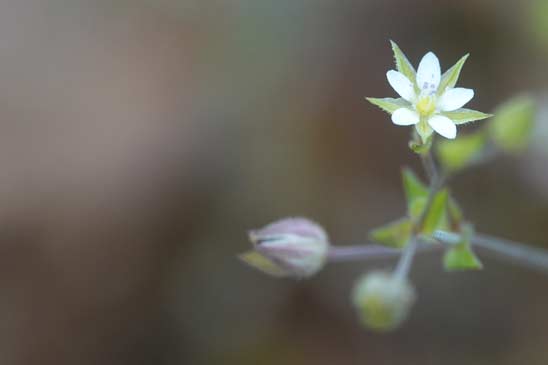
{"x": 418, "y": 146}
{"x": 436, "y": 218}
{"x": 458, "y": 153}
{"x": 394, "y": 234}
{"x": 261, "y": 263}
{"x": 512, "y": 125}
{"x": 460, "y": 256}
{"x": 389, "y": 105}
{"x": 402, "y": 63}
{"x": 424, "y": 130}
{"x": 450, "y": 77}
{"x": 463, "y": 115}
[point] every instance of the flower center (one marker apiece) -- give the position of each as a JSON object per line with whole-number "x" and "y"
{"x": 426, "y": 105}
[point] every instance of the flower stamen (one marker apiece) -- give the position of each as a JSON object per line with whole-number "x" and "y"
{"x": 426, "y": 105}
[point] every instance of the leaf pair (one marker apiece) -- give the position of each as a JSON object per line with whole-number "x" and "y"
{"x": 442, "y": 210}
{"x": 398, "y": 233}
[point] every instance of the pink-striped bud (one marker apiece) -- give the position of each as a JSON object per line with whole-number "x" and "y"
{"x": 291, "y": 247}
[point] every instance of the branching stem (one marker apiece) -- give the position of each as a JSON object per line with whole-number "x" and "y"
{"x": 519, "y": 253}
{"x": 406, "y": 260}
{"x": 436, "y": 182}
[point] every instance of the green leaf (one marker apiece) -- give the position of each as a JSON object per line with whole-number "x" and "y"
{"x": 416, "y": 193}
{"x": 436, "y": 217}
{"x": 258, "y": 261}
{"x": 414, "y": 187}
{"x": 463, "y": 115}
{"x": 416, "y": 207}
{"x": 394, "y": 234}
{"x": 458, "y": 153}
{"x": 402, "y": 63}
{"x": 389, "y": 105}
{"x": 460, "y": 256}
{"x": 450, "y": 77}
{"x": 454, "y": 210}
{"x": 511, "y": 127}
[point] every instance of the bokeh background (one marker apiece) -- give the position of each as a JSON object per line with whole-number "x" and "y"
{"x": 140, "y": 140}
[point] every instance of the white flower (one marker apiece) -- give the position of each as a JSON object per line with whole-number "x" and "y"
{"x": 429, "y": 100}
{"x": 423, "y": 100}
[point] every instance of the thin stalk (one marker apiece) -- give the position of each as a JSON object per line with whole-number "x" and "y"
{"x": 404, "y": 265}
{"x": 436, "y": 182}
{"x": 429, "y": 166}
{"x": 360, "y": 253}
{"x": 338, "y": 254}
{"x": 519, "y": 253}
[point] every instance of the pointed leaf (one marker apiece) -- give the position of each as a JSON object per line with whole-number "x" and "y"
{"x": 394, "y": 234}
{"x": 416, "y": 207}
{"x": 456, "y": 154}
{"x": 402, "y": 63}
{"x": 454, "y": 210}
{"x": 416, "y": 193}
{"x": 389, "y": 105}
{"x": 463, "y": 115}
{"x": 450, "y": 77}
{"x": 461, "y": 257}
{"x": 511, "y": 127}
{"x": 436, "y": 218}
{"x": 258, "y": 261}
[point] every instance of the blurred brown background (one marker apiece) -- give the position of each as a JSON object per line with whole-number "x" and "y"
{"x": 140, "y": 140}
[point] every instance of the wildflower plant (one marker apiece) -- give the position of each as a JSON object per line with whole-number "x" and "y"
{"x": 433, "y": 104}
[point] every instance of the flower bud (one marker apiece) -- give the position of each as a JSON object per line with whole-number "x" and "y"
{"x": 291, "y": 247}
{"x": 382, "y": 300}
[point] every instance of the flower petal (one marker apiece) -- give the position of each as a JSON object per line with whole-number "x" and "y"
{"x": 429, "y": 73}
{"x": 454, "y": 99}
{"x": 443, "y": 126}
{"x": 402, "y": 85}
{"x": 404, "y": 116}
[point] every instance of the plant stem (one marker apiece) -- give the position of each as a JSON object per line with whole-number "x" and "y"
{"x": 519, "y": 253}
{"x": 404, "y": 265}
{"x": 339, "y": 254}
{"x": 358, "y": 253}
{"x": 429, "y": 165}
{"x": 436, "y": 182}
